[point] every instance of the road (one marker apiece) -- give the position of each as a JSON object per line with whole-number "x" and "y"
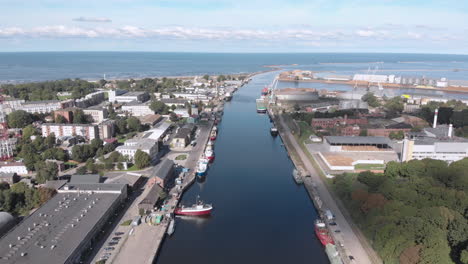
{"x": 351, "y": 242}
{"x": 141, "y": 245}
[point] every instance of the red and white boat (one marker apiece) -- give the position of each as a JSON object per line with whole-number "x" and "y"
{"x": 321, "y": 231}
{"x": 197, "y": 209}
{"x": 213, "y": 135}
{"x": 209, "y": 153}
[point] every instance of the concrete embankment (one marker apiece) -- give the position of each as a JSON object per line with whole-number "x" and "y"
{"x": 347, "y": 242}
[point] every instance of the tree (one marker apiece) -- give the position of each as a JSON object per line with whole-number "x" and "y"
{"x": 134, "y": 124}
{"x": 55, "y": 154}
{"x": 46, "y": 171}
{"x": 19, "y": 119}
{"x": 96, "y": 143}
{"x": 394, "y": 106}
{"x": 206, "y": 77}
{"x": 371, "y": 99}
{"x": 59, "y": 119}
{"x": 296, "y": 107}
{"x": 49, "y": 141}
{"x": 142, "y": 159}
{"x": 79, "y": 117}
{"x": 29, "y": 131}
{"x": 173, "y": 117}
{"x": 221, "y": 78}
{"x": 29, "y": 155}
{"x": 159, "y": 107}
{"x": 392, "y": 170}
{"x": 81, "y": 170}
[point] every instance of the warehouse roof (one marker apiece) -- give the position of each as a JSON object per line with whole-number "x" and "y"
{"x": 54, "y": 232}
{"x": 86, "y": 178}
{"x": 163, "y": 169}
{"x": 348, "y": 140}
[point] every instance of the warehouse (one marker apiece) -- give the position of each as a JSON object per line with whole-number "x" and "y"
{"x": 352, "y": 143}
{"x": 64, "y": 228}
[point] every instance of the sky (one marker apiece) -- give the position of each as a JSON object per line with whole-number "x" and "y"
{"x": 410, "y": 26}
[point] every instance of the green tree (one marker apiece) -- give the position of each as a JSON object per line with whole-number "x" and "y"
{"x": 79, "y": 117}
{"x": 46, "y": 171}
{"x": 134, "y": 124}
{"x": 206, "y": 77}
{"x": 221, "y": 78}
{"x": 59, "y": 119}
{"x": 159, "y": 107}
{"x": 29, "y": 131}
{"x": 371, "y": 99}
{"x": 394, "y": 106}
{"x": 49, "y": 141}
{"x": 142, "y": 159}
{"x": 29, "y": 155}
{"x": 96, "y": 143}
{"x": 81, "y": 170}
{"x": 19, "y": 119}
{"x": 173, "y": 117}
{"x": 392, "y": 169}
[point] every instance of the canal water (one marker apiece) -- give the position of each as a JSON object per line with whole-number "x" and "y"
{"x": 261, "y": 215}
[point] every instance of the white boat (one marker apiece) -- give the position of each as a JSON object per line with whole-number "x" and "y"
{"x": 171, "y": 228}
{"x": 209, "y": 154}
{"x": 210, "y": 143}
{"x": 202, "y": 167}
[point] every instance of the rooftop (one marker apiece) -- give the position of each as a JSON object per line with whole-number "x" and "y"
{"x": 53, "y": 233}
{"x": 344, "y": 140}
{"x": 163, "y": 169}
{"x": 86, "y": 178}
{"x": 42, "y": 102}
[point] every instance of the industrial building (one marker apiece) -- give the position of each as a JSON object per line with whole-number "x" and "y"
{"x": 163, "y": 174}
{"x": 150, "y": 200}
{"x": 120, "y": 96}
{"x": 297, "y": 94}
{"x": 65, "y": 228}
{"x": 136, "y": 108}
{"x": 130, "y": 147}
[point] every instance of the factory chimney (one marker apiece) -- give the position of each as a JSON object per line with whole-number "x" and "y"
{"x": 435, "y": 118}
{"x": 450, "y": 130}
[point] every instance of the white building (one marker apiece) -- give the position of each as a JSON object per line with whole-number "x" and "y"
{"x": 89, "y": 132}
{"x": 97, "y": 113}
{"x": 130, "y": 147}
{"x": 435, "y": 143}
{"x": 41, "y": 107}
{"x": 136, "y": 108}
{"x": 127, "y": 97}
{"x": 371, "y": 78}
{"x": 13, "y": 167}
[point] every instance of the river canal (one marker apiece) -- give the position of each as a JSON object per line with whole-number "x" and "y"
{"x": 261, "y": 215}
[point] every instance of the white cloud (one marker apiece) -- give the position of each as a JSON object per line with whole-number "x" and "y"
{"x": 313, "y": 37}
{"x": 92, "y": 19}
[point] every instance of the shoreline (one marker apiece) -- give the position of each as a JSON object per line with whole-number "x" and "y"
{"x": 450, "y": 89}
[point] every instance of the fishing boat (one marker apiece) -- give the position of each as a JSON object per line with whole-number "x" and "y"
{"x": 202, "y": 167}
{"x": 322, "y": 233}
{"x": 198, "y": 209}
{"x": 228, "y": 97}
{"x": 261, "y": 108}
{"x": 265, "y": 91}
{"x": 210, "y": 143}
{"x": 209, "y": 153}
{"x": 213, "y": 135}
{"x": 215, "y": 128}
{"x": 171, "y": 228}
{"x": 274, "y": 131}
{"x": 297, "y": 176}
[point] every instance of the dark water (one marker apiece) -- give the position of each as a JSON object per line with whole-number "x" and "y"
{"x": 38, "y": 66}
{"x": 261, "y": 215}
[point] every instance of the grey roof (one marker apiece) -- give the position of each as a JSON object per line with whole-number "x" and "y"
{"x": 57, "y": 184}
{"x": 183, "y": 132}
{"x": 133, "y": 93}
{"x": 153, "y": 195}
{"x": 65, "y": 223}
{"x": 41, "y": 102}
{"x": 86, "y": 178}
{"x": 163, "y": 169}
{"x": 174, "y": 101}
{"x": 344, "y": 140}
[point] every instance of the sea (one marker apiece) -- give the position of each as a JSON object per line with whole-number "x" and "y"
{"x": 21, "y": 67}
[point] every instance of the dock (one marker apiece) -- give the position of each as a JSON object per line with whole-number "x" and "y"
{"x": 348, "y": 243}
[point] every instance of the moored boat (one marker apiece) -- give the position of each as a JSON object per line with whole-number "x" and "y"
{"x": 322, "y": 233}
{"x": 274, "y": 131}
{"x": 202, "y": 167}
{"x": 198, "y": 209}
{"x": 171, "y": 228}
{"x": 228, "y": 97}
{"x": 265, "y": 91}
{"x": 213, "y": 135}
{"x": 261, "y": 108}
{"x": 209, "y": 153}
{"x": 297, "y": 176}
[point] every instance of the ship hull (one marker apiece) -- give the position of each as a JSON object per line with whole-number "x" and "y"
{"x": 193, "y": 213}
{"x": 324, "y": 238}
{"x": 201, "y": 173}
{"x": 213, "y": 138}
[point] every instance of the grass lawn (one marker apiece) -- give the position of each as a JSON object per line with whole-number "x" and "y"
{"x": 181, "y": 157}
{"x": 126, "y": 223}
{"x": 306, "y": 132}
{"x": 61, "y": 98}
{"x": 369, "y": 167}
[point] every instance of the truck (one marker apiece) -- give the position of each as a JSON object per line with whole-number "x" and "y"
{"x": 136, "y": 221}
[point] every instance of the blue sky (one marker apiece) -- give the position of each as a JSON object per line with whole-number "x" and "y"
{"x": 235, "y": 25}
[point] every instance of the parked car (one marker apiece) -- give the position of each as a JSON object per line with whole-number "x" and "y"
{"x": 109, "y": 248}
{"x": 116, "y": 238}
{"x": 112, "y": 243}
{"x": 119, "y": 233}
{"x": 332, "y": 224}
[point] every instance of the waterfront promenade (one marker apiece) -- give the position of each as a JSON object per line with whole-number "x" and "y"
{"x": 352, "y": 243}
